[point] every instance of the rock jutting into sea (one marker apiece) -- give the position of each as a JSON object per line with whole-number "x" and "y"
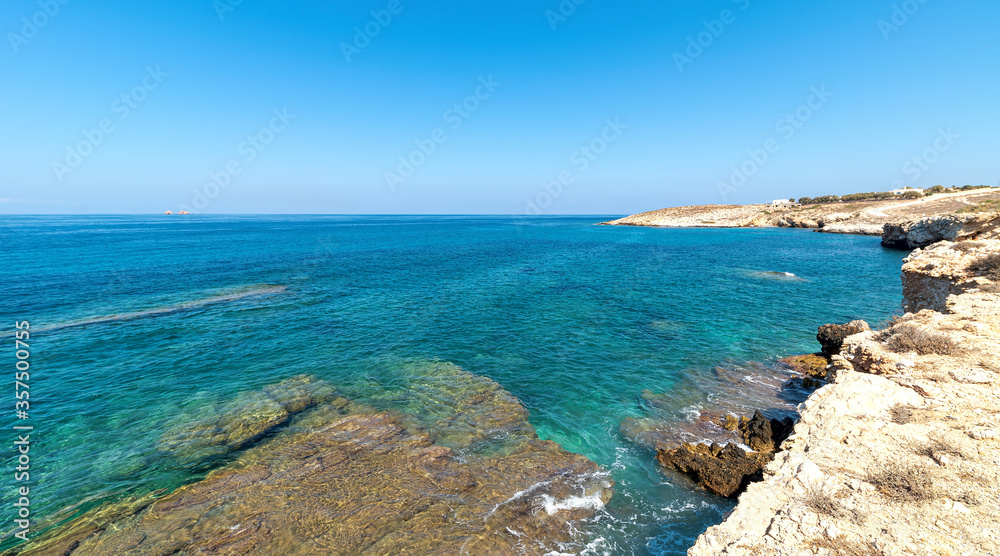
{"x": 727, "y": 470}
{"x": 724, "y": 453}
{"x": 900, "y": 453}
{"x": 705, "y": 407}
{"x": 331, "y": 476}
{"x": 831, "y": 336}
{"x": 812, "y": 365}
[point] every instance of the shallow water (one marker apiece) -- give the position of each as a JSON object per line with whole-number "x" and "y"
{"x": 146, "y": 323}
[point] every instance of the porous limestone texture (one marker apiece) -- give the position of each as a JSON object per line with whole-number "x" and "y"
{"x": 953, "y": 227}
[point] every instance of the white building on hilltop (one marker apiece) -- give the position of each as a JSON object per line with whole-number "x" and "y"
{"x": 778, "y": 203}
{"x": 906, "y": 189}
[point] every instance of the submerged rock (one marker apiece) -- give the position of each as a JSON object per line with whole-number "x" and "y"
{"x": 237, "y": 423}
{"x": 350, "y": 479}
{"x": 831, "y": 336}
{"x": 460, "y": 410}
{"x": 812, "y": 365}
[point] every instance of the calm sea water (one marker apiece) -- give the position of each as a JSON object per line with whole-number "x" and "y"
{"x": 584, "y": 324}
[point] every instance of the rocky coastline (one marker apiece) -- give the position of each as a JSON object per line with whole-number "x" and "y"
{"x": 858, "y": 218}
{"x": 899, "y": 452}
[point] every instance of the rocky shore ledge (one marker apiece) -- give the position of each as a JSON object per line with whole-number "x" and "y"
{"x": 900, "y": 452}
{"x": 313, "y": 472}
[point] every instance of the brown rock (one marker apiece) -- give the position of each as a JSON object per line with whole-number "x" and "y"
{"x": 725, "y": 471}
{"x": 781, "y": 429}
{"x": 869, "y": 356}
{"x": 757, "y": 433}
{"x": 345, "y": 479}
{"x": 831, "y": 336}
{"x": 811, "y": 365}
{"x": 730, "y": 422}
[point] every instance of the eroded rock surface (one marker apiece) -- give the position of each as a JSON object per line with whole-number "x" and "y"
{"x": 831, "y": 336}
{"x": 723, "y": 470}
{"x": 915, "y": 234}
{"x": 350, "y": 479}
{"x": 811, "y": 364}
{"x": 232, "y": 425}
{"x": 727, "y": 470}
{"x": 900, "y": 454}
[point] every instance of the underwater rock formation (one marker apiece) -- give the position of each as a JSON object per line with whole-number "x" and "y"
{"x": 346, "y": 478}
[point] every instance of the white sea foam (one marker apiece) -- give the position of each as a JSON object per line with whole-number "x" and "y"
{"x": 685, "y": 507}
{"x": 692, "y": 412}
{"x": 595, "y": 547}
{"x": 552, "y": 505}
{"x": 517, "y": 495}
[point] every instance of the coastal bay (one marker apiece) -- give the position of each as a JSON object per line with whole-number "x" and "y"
{"x": 606, "y": 336}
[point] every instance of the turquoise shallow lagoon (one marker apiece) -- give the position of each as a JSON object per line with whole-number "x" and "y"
{"x": 141, "y": 324}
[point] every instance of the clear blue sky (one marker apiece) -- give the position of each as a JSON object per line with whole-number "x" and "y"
{"x": 199, "y": 78}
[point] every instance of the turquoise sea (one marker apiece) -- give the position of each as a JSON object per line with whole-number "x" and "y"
{"x": 142, "y": 323}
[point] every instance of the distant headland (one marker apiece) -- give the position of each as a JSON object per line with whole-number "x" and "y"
{"x": 858, "y": 213}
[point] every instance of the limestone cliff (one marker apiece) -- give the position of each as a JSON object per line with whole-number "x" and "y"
{"x": 900, "y": 454}
{"x": 915, "y": 234}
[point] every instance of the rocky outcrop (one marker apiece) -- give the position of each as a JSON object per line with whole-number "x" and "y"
{"x": 853, "y": 229}
{"x": 795, "y": 221}
{"x": 867, "y": 355}
{"x": 813, "y": 221}
{"x": 727, "y": 470}
{"x": 345, "y": 478}
{"x": 831, "y": 336}
{"x": 722, "y": 470}
{"x": 900, "y": 454}
{"x": 933, "y": 276}
{"x": 812, "y": 365}
{"x": 915, "y": 234}
{"x": 763, "y": 434}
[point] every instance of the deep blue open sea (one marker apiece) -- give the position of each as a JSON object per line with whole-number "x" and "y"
{"x": 589, "y": 326}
